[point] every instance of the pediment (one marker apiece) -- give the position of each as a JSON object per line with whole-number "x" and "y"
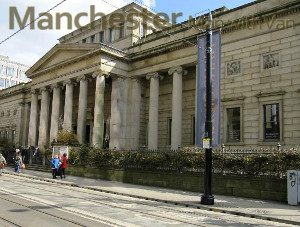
{"x": 61, "y": 54}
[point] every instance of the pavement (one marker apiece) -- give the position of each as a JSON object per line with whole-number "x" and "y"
{"x": 260, "y": 209}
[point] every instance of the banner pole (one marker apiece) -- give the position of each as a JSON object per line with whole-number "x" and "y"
{"x": 207, "y": 198}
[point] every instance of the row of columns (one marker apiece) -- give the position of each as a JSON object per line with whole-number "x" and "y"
{"x": 176, "y": 131}
{"x": 119, "y": 129}
{"x": 43, "y": 138}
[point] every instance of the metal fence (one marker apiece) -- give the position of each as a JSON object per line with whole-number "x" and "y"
{"x": 258, "y": 162}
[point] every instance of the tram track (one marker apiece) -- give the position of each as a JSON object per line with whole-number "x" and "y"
{"x": 67, "y": 220}
{"x": 7, "y": 223}
{"x": 151, "y": 204}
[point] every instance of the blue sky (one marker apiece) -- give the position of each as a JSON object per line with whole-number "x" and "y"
{"x": 30, "y": 45}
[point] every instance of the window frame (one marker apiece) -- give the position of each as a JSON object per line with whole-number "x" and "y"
{"x": 121, "y": 31}
{"x": 93, "y": 38}
{"x": 227, "y": 125}
{"x": 268, "y": 99}
{"x": 111, "y": 34}
{"x": 265, "y": 122}
{"x": 101, "y": 37}
{"x": 238, "y": 102}
{"x": 169, "y": 125}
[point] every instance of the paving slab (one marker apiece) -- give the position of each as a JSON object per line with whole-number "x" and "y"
{"x": 262, "y": 209}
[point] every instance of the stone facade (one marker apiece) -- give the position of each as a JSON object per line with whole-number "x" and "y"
{"x": 140, "y": 91}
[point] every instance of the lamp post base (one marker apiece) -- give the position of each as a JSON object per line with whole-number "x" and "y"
{"x": 207, "y": 200}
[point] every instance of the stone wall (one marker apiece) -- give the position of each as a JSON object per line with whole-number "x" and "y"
{"x": 250, "y": 187}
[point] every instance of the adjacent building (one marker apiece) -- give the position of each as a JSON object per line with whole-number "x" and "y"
{"x": 11, "y": 73}
{"x": 133, "y": 83}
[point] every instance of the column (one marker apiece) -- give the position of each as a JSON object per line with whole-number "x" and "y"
{"x": 176, "y": 131}
{"x": 56, "y": 100}
{"x": 98, "y": 129}
{"x": 119, "y": 106}
{"x": 136, "y": 115}
{"x": 153, "y": 110}
{"x": 133, "y": 114}
{"x": 33, "y": 121}
{"x": 44, "y": 119}
{"x": 68, "y": 109}
{"x": 26, "y": 124}
{"x": 81, "y": 120}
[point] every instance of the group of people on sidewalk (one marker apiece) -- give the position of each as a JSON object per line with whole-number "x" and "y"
{"x": 59, "y": 165}
{"x": 58, "y": 162}
{"x": 18, "y": 161}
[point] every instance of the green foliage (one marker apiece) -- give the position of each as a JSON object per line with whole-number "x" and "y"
{"x": 48, "y": 154}
{"x": 5, "y": 146}
{"x": 66, "y": 137}
{"x": 191, "y": 159}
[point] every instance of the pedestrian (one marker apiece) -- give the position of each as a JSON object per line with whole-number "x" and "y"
{"x": 55, "y": 164}
{"x": 18, "y": 162}
{"x": 2, "y": 163}
{"x": 59, "y": 171}
{"x": 64, "y": 164}
{"x": 15, "y": 157}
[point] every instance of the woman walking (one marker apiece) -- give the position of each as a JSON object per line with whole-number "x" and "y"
{"x": 2, "y": 163}
{"x": 64, "y": 164}
{"x": 18, "y": 162}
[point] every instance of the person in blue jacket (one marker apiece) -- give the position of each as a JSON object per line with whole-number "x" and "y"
{"x": 55, "y": 165}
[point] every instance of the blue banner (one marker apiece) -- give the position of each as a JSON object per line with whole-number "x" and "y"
{"x": 201, "y": 90}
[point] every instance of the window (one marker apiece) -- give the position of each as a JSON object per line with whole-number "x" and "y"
{"x": 2, "y": 82}
{"x": 193, "y": 130}
{"x": 233, "y": 125}
{"x": 13, "y": 82}
{"x": 23, "y": 76}
{"x": 7, "y": 83}
{"x": 10, "y": 71}
{"x": 101, "y": 37}
{"x": 142, "y": 29}
{"x": 111, "y": 35}
{"x": 1, "y": 69}
{"x": 92, "y": 38}
{"x": 13, "y": 136}
{"x": 121, "y": 34}
{"x": 169, "y": 130}
{"x": 271, "y": 122}
{"x": 4, "y": 70}
{"x": 84, "y": 41}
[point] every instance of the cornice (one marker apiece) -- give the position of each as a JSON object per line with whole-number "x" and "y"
{"x": 69, "y": 73}
{"x": 19, "y": 89}
{"x": 106, "y": 49}
{"x": 266, "y": 16}
{"x": 233, "y": 99}
{"x": 267, "y": 94}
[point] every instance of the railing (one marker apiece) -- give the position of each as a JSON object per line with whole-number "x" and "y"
{"x": 258, "y": 162}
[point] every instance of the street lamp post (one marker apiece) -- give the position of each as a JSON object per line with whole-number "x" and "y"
{"x": 207, "y": 198}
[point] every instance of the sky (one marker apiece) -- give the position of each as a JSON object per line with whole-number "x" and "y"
{"x": 29, "y": 45}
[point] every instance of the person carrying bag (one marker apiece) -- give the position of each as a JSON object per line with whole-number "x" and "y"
{"x": 2, "y": 163}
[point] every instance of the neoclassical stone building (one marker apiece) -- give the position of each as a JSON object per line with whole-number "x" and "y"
{"x": 136, "y": 87}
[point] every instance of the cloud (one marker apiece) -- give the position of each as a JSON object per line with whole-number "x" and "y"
{"x": 149, "y": 3}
